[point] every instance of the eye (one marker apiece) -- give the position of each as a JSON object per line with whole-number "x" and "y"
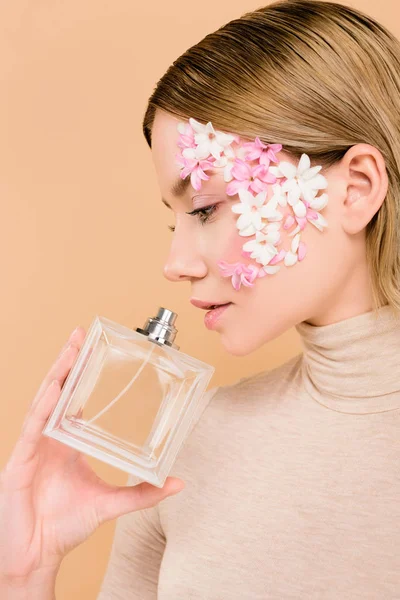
{"x": 202, "y": 213}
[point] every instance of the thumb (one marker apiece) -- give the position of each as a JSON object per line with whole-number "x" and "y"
{"x": 122, "y": 500}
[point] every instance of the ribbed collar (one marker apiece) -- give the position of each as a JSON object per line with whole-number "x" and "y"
{"x": 353, "y": 366}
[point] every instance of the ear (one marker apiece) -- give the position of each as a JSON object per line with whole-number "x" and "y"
{"x": 367, "y": 184}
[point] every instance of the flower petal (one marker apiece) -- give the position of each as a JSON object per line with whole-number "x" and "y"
{"x": 246, "y": 197}
{"x": 249, "y": 246}
{"x": 311, "y": 173}
{"x": 286, "y": 168}
{"x": 195, "y": 180}
{"x": 300, "y": 209}
{"x": 320, "y": 202}
{"x": 295, "y": 243}
{"x": 245, "y": 221}
{"x": 238, "y": 208}
{"x": 304, "y": 164}
{"x": 196, "y": 125}
{"x": 236, "y": 281}
{"x": 290, "y": 259}
{"x": 250, "y": 230}
{"x": 235, "y": 185}
{"x": 302, "y": 251}
{"x": 241, "y": 170}
{"x": 271, "y": 270}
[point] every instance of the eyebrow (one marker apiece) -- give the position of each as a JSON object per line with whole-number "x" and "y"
{"x": 180, "y": 186}
{"x": 178, "y": 189}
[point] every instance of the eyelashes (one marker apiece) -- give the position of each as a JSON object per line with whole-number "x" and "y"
{"x": 203, "y": 214}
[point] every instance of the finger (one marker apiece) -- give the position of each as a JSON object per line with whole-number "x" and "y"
{"x": 59, "y": 372}
{"x": 77, "y": 337}
{"x": 122, "y": 500}
{"x": 37, "y": 417}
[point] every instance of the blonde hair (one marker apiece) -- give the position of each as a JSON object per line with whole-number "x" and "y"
{"x": 317, "y": 77}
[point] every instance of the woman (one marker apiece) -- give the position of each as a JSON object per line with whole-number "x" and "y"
{"x": 275, "y": 142}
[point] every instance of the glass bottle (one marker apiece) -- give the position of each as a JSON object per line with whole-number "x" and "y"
{"x": 130, "y": 396}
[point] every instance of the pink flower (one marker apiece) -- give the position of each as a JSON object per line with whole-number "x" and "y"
{"x": 278, "y": 257}
{"x": 246, "y": 254}
{"x": 312, "y": 216}
{"x": 244, "y": 177}
{"x": 186, "y": 138}
{"x": 263, "y": 152}
{"x": 302, "y": 250}
{"x": 195, "y": 168}
{"x": 239, "y": 272}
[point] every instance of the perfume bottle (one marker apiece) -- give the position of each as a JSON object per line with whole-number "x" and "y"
{"x": 130, "y": 396}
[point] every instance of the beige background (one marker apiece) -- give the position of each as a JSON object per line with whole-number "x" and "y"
{"x": 83, "y": 230}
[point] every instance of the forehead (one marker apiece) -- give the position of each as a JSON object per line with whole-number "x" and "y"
{"x": 164, "y": 147}
{"x": 164, "y": 144}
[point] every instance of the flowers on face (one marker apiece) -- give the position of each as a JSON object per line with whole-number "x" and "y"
{"x": 247, "y": 172}
{"x": 297, "y": 251}
{"x": 249, "y": 208}
{"x": 186, "y": 138}
{"x": 245, "y": 176}
{"x": 264, "y": 153}
{"x": 208, "y": 140}
{"x": 193, "y": 166}
{"x": 302, "y": 180}
{"x": 226, "y": 161}
{"x": 279, "y": 195}
{"x": 239, "y": 273}
{"x": 263, "y": 247}
{"x": 252, "y": 209}
{"x": 312, "y": 216}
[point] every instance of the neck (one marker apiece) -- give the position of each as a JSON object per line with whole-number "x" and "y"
{"x": 351, "y": 365}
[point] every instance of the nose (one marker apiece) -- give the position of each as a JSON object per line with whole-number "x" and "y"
{"x": 184, "y": 261}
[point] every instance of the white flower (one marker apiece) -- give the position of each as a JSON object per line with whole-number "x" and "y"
{"x": 263, "y": 248}
{"x": 291, "y": 256}
{"x": 302, "y": 180}
{"x": 208, "y": 140}
{"x": 250, "y": 208}
{"x": 320, "y": 202}
{"x": 279, "y": 194}
{"x": 226, "y": 160}
{"x": 320, "y": 222}
{"x": 270, "y": 210}
{"x": 271, "y": 270}
{"x": 192, "y": 154}
{"x": 272, "y": 231}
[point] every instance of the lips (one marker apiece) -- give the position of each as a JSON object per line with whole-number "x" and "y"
{"x": 206, "y": 305}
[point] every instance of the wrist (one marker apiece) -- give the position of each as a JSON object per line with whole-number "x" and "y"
{"x": 39, "y": 585}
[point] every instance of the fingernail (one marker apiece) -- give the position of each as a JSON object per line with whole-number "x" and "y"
{"x": 178, "y": 487}
{"x": 74, "y": 331}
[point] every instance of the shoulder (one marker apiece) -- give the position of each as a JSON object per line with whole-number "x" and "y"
{"x": 219, "y": 402}
{"x": 229, "y": 415}
{"x": 266, "y": 380}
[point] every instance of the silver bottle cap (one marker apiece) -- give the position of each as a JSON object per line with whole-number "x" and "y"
{"x": 161, "y": 329}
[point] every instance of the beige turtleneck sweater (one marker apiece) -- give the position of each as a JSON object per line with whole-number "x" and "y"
{"x": 292, "y": 483}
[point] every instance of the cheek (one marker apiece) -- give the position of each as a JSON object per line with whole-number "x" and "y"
{"x": 231, "y": 243}
{"x": 234, "y": 246}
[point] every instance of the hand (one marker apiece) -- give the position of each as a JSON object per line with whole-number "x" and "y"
{"x": 51, "y": 500}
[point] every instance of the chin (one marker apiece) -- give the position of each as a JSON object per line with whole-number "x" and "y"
{"x": 242, "y": 341}
{"x": 238, "y": 345}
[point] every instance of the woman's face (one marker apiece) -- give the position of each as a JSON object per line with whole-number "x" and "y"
{"x": 307, "y": 291}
